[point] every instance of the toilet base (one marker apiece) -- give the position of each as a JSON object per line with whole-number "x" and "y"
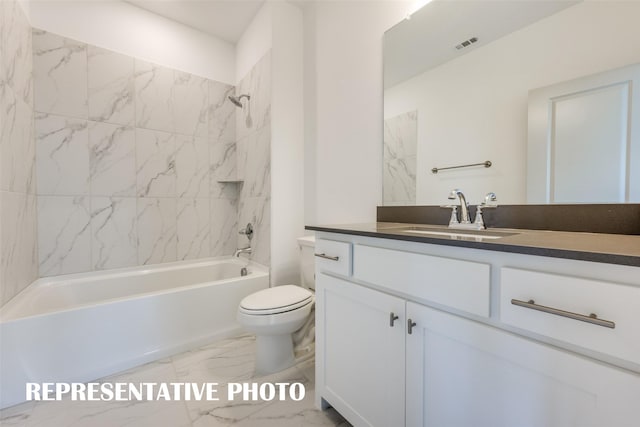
{"x": 274, "y": 353}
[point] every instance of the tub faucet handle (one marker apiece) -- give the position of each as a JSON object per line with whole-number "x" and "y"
{"x": 247, "y": 231}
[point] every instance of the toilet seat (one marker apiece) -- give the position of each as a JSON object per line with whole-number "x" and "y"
{"x": 278, "y": 299}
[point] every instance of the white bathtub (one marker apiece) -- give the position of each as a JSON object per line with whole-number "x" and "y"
{"x": 82, "y": 327}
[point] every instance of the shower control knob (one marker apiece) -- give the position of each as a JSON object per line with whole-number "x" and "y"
{"x": 247, "y": 231}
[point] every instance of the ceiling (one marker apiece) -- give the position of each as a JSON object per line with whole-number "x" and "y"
{"x": 429, "y": 37}
{"x": 224, "y": 19}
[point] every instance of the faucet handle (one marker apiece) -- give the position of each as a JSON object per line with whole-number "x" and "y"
{"x": 454, "y": 213}
{"x": 248, "y": 231}
{"x": 479, "y": 221}
{"x": 490, "y": 197}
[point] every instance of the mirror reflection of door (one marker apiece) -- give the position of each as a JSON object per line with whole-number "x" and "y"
{"x": 583, "y": 140}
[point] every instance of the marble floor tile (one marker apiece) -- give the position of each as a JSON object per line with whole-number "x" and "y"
{"x": 228, "y": 360}
{"x": 216, "y": 365}
{"x": 308, "y": 369}
{"x": 159, "y": 371}
{"x": 290, "y": 413}
{"x": 16, "y": 415}
{"x": 222, "y": 412}
{"x": 108, "y": 414}
{"x": 222, "y": 362}
{"x": 240, "y": 343}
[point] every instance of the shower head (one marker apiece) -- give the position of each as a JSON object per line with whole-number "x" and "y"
{"x": 236, "y": 99}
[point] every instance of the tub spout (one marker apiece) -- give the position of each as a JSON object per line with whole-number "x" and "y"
{"x": 246, "y": 250}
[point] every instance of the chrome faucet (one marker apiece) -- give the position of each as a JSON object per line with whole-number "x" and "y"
{"x": 246, "y": 250}
{"x": 247, "y": 231}
{"x": 465, "y": 217}
{"x": 464, "y": 206}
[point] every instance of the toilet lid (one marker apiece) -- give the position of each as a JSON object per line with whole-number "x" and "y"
{"x": 276, "y": 299}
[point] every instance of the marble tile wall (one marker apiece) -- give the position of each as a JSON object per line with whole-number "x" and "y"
{"x": 253, "y": 131}
{"x": 129, "y": 155}
{"x": 399, "y": 159}
{"x": 18, "y": 218}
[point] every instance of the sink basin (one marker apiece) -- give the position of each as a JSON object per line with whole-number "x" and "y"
{"x": 477, "y": 235}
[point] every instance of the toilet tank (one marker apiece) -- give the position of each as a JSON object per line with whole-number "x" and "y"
{"x": 307, "y": 262}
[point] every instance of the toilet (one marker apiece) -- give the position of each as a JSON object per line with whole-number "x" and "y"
{"x": 273, "y": 314}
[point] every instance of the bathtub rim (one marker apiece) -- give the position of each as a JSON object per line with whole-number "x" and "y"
{"x": 10, "y": 313}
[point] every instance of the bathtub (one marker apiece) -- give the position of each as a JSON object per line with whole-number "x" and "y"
{"x": 81, "y": 327}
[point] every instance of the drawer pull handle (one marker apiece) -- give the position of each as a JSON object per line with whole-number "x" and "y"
{"x": 410, "y": 325}
{"x": 592, "y": 318}
{"x": 392, "y": 318}
{"x": 325, "y": 256}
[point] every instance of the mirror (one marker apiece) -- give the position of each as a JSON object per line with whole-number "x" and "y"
{"x": 466, "y": 82}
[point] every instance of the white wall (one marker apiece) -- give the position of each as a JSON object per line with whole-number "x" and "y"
{"x": 474, "y": 108}
{"x": 278, "y": 26}
{"x": 124, "y": 28}
{"x": 287, "y": 143}
{"x": 347, "y": 97}
{"x": 310, "y": 111}
{"x": 255, "y": 42}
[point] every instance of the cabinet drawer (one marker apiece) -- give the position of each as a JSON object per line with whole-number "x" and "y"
{"x": 463, "y": 285}
{"x": 333, "y": 256}
{"x": 555, "y": 297}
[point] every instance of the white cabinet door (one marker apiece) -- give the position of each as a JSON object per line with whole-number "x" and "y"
{"x": 360, "y": 366}
{"x": 463, "y": 373}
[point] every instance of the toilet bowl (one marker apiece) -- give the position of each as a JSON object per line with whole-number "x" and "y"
{"x": 273, "y": 314}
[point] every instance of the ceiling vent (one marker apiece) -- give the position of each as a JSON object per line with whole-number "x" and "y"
{"x": 467, "y": 43}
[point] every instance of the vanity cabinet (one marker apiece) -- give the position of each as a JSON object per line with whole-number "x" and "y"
{"x": 605, "y": 316}
{"x": 456, "y": 283}
{"x": 464, "y": 373}
{"x": 363, "y": 351}
{"x": 470, "y": 357}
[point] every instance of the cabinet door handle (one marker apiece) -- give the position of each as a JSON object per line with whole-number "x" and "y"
{"x": 392, "y": 318}
{"x": 325, "y": 256}
{"x": 592, "y": 318}
{"x": 410, "y": 325}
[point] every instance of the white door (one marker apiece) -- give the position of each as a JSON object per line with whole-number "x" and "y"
{"x": 360, "y": 360}
{"x": 463, "y": 373}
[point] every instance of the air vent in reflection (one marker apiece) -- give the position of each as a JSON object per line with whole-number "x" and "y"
{"x": 467, "y": 43}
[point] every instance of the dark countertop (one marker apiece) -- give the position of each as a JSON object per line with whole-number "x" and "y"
{"x": 595, "y": 247}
